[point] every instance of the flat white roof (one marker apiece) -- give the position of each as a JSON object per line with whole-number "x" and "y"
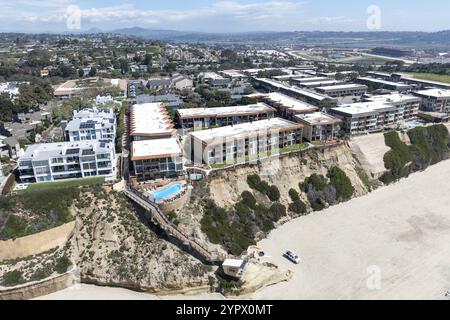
{"x": 343, "y": 87}
{"x": 318, "y": 118}
{"x": 289, "y": 102}
{"x": 320, "y": 83}
{"x": 234, "y": 110}
{"x": 150, "y": 119}
{"x": 312, "y": 79}
{"x": 234, "y": 263}
{"x": 435, "y": 93}
{"x": 155, "y": 148}
{"x": 245, "y": 129}
{"x": 394, "y": 98}
{"x": 391, "y": 83}
{"x": 362, "y": 108}
{"x": 302, "y": 92}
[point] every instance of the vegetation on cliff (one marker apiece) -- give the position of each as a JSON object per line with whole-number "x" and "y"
{"x": 29, "y": 212}
{"x": 429, "y": 145}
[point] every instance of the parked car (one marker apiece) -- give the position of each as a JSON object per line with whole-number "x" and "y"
{"x": 292, "y": 257}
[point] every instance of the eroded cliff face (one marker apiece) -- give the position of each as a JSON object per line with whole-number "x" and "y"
{"x": 286, "y": 173}
{"x": 113, "y": 246}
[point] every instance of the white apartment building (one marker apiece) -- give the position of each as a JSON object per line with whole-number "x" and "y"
{"x": 92, "y": 124}
{"x": 223, "y": 116}
{"x": 343, "y": 90}
{"x": 319, "y": 126}
{"x": 435, "y": 100}
{"x": 67, "y": 160}
{"x": 379, "y": 113}
{"x": 243, "y": 142}
{"x": 155, "y": 149}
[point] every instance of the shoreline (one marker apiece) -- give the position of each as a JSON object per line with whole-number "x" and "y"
{"x": 393, "y": 232}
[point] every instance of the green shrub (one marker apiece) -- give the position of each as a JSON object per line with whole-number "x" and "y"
{"x": 12, "y": 278}
{"x": 298, "y": 207}
{"x": 429, "y": 145}
{"x": 294, "y": 195}
{"x": 248, "y": 199}
{"x": 273, "y": 193}
{"x": 342, "y": 184}
{"x": 277, "y": 211}
{"x": 15, "y": 227}
{"x": 319, "y": 182}
{"x": 63, "y": 264}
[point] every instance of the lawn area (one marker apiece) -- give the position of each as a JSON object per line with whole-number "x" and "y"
{"x": 66, "y": 184}
{"x": 294, "y": 147}
{"x": 430, "y": 76}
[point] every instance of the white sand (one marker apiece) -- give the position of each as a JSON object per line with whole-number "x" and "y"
{"x": 403, "y": 229}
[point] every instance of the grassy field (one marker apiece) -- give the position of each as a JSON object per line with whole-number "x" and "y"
{"x": 430, "y": 77}
{"x": 361, "y": 60}
{"x": 65, "y": 184}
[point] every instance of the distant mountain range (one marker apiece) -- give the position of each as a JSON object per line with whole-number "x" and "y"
{"x": 346, "y": 39}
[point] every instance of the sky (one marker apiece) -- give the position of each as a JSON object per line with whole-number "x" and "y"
{"x": 225, "y": 15}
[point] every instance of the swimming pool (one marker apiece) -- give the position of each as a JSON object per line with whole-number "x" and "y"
{"x": 166, "y": 192}
{"x": 413, "y": 124}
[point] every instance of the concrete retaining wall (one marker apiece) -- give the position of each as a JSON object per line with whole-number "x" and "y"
{"x": 36, "y": 243}
{"x": 37, "y": 289}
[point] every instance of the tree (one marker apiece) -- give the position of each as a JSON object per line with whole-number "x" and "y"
{"x": 93, "y": 72}
{"x": 81, "y": 73}
{"x": 326, "y": 104}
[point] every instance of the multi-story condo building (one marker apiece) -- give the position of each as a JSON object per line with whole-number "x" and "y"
{"x": 67, "y": 160}
{"x": 435, "y": 100}
{"x": 214, "y": 79}
{"x": 407, "y": 105}
{"x": 157, "y": 158}
{"x": 225, "y": 116}
{"x": 377, "y": 114}
{"x": 344, "y": 90}
{"x": 287, "y": 107}
{"x": 244, "y": 142}
{"x": 384, "y": 84}
{"x": 319, "y": 126}
{"x": 302, "y": 94}
{"x": 155, "y": 150}
{"x": 324, "y": 83}
{"x": 92, "y": 124}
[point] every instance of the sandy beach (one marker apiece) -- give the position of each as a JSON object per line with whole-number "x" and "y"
{"x": 390, "y": 244}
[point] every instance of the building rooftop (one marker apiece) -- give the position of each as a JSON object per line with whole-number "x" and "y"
{"x": 288, "y": 102}
{"x": 395, "y": 97}
{"x": 364, "y": 108}
{"x": 323, "y": 83}
{"x": 245, "y": 129}
{"x": 434, "y": 93}
{"x": 317, "y": 118}
{"x": 301, "y": 92}
{"x": 225, "y": 111}
{"x": 343, "y": 87}
{"x": 44, "y": 151}
{"x": 385, "y": 82}
{"x": 150, "y": 119}
{"x": 155, "y": 149}
{"x": 89, "y": 113}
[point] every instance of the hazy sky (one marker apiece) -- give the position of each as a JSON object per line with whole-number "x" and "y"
{"x": 224, "y": 15}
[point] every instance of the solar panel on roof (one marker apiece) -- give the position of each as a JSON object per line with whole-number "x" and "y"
{"x": 88, "y": 152}
{"x": 73, "y": 151}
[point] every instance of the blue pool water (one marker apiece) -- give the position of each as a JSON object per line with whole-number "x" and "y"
{"x": 167, "y": 192}
{"x": 413, "y": 124}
